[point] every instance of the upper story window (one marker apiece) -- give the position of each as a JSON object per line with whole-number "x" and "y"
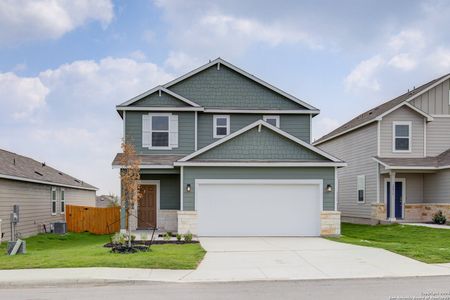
{"x": 402, "y": 136}
{"x": 53, "y": 203}
{"x": 272, "y": 120}
{"x": 160, "y": 131}
{"x": 221, "y": 126}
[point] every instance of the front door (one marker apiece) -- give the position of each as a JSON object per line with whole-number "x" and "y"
{"x": 398, "y": 199}
{"x": 147, "y": 207}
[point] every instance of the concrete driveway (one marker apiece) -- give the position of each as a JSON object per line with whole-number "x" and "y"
{"x": 272, "y": 258}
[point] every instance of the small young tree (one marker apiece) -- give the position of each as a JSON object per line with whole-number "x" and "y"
{"x": 129, "y": 176}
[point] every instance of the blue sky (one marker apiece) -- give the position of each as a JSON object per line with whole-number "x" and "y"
{"x": 64, "y": 65}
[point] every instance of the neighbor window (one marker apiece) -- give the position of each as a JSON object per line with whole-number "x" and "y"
{"x": 63, "y": 201}
{"x": 221, "y": 126}
{"x": 160, "y": 131}
{"x": 361, "y": 187}
{"x": 53, "y": 197}
{"x": 402, "y": 137}
{"x": 272, "y": 120}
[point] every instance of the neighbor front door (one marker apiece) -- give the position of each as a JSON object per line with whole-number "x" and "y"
{"x": 147, "y": 207}
{"x": 398, "y": 199}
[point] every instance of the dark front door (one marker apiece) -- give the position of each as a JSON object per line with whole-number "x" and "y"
{"x": 147, "y": 207}
{"x": 398, "y": 199}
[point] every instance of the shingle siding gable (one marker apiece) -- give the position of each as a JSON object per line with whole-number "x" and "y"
{"x": 156, "y": 100}
{"x": 225, "y": 88}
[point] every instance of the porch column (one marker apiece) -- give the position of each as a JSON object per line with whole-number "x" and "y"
{"x": 392, "y": 197}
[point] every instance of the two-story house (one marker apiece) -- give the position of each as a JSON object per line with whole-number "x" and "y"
{"x": 224, "y": 153}
{"x": 405, "y": 140}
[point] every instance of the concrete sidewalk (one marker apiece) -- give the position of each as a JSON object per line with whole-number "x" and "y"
{"x": 249, "y": 259}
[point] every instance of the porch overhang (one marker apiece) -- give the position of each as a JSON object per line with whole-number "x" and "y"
{"x": 150, "y": 161}
{"x": 416, "y": 164}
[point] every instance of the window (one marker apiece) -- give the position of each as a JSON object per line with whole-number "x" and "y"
{"x": 361, "y": 187}
{"x": 53, "y": 203}
{"x": 402, "y": 137}
{"x": 272, "y": 120}
{"x": 63, "y": 201}
{"x": 160, "y": 131}
{"x": 221, "y": 126}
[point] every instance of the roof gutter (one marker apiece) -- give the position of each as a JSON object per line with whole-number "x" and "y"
{"x": 46, "y": 182}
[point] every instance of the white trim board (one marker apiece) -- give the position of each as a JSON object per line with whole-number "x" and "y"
{"x": 46, "y": 182}
{"x": 146, "y": 166}
{"x": 388, "y": 167}
{"x": 260, "y": 164}
{"x": 267, "y": 125}
{"x": 261, "y": 111}
{"x": 157, "y": 108}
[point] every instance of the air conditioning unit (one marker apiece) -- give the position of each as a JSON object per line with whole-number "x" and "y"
{"x": 60, "y": 227}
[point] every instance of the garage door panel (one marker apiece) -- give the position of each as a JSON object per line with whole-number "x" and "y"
{"x": 258, "y": 209}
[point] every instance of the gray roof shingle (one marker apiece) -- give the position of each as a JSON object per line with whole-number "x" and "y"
{"x": 373, "y": 113}
{"x": 432, "y": 162}
{"x": 20, "y": 167}
{"x": 151, "y": 159}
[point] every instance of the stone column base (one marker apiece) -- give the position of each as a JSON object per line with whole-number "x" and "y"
{"x": 423, "y": 212}
{"x": 330, "y": 223}
{"x": 187, "y": 222}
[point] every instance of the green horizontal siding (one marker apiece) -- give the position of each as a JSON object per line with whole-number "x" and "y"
{"x": 296, "y": 125}
{"x": 264, "y": 144}
{"x": 226, "y": 88}
{"x": 170, "y": 189}
{"x": 186, "y": 137}
{"x": 160, "y": 101}
{"x": 193, "y": 173}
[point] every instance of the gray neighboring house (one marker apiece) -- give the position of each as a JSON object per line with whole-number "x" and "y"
{"x": 106, "y": 201}
{"x": 40, "y": 191}
{"x": 224, "y": 153}
{"x": 405, "y": 140}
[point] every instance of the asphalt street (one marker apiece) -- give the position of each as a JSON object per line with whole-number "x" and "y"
{"x": 436, "y": 288}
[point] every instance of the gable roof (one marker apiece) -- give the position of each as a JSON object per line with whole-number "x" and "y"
{"x": 17, "y": 167}
{"x": 219, "y": 62}
{"x": 334, "y": 161}
{"x": 379, "y": 111}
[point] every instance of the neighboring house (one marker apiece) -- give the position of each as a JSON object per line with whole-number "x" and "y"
{"x": 106, "y": 201}
{"x": 406, "y": 141}
{"x": 40, "y": 191}
{"x": 224, "y": 153}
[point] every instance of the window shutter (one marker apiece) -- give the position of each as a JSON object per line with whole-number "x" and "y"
{"x": 146, "y": 131}
{"x": 173, "y": 134}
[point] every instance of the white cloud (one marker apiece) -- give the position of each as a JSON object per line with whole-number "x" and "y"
{"x": 403, "y": 61}
{"x": 323, "y": 125}
{"x": 21, "y": 96}
{"x": 363, "y": 75}
{"x": 407, "y": 39}
{"x": 181, "y": 62}
{"x": 440, "y": 59}
{"x": 79, "y": 131}
{"x": 23, "y": 20}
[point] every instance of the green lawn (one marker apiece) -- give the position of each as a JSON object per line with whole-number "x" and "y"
{"x": 425, "y": 244}
{"x": 86, "y": 250}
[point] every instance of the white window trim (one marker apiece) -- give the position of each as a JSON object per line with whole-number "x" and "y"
{"x": 215, "y": 117}
{"x": 364, "y": 189}
{"x": 54, "y": 200}
{"x": 395, "y": 123}
{"x": 61, "y": 201}
{"x": 277, "y": 119}
{"x": 168, "y": 132}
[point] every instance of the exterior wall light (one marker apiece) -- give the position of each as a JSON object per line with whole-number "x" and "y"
{"x": 188, "y": 188}
{"x": 329, "y": 188}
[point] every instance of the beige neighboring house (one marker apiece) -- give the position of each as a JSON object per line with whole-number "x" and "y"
{"x": 40, "y": 191}
{"x": 405, "y": 140}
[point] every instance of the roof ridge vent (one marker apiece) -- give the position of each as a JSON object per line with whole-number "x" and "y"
{"x": 43, "y": 164}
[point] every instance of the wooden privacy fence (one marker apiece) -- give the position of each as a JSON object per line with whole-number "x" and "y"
{"x": 96, "y": 220}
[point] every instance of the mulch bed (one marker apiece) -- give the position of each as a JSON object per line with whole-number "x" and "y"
{"x": 157, "y": 242}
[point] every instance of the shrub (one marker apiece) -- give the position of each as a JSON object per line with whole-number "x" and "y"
{"x": 167, "y": 236}
{"x": 179, "y": 236}
{"x": 188, "y": 237}
{"x": 439, "y": 218}
{"x": 119, "y": 238}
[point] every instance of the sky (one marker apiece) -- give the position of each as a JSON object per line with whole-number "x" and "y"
{"x": 64, "y": 65}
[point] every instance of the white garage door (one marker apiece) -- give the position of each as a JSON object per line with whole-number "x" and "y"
{"x": 258, "y": 207}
